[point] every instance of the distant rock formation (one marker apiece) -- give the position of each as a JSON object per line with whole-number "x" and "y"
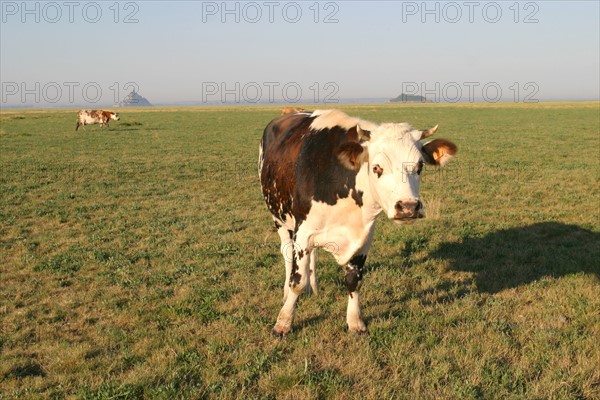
{"x": 134, "y": 99}
{"x": 409, "y": 98}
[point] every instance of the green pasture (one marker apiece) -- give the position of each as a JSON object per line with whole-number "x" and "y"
{"x": 135, "y": 263}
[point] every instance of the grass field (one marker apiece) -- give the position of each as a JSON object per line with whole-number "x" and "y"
{"x": 133, "y": 263}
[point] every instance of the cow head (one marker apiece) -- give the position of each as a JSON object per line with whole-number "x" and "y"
{"x": 395, "y": 162}
{"x": 115, "y": 116}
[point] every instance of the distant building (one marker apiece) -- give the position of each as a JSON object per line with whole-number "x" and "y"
{"x": 134, "y": 99}
{"x": 409, "y": 98}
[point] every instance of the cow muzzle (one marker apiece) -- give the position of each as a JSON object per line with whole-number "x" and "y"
{"x": 407, "y": 210}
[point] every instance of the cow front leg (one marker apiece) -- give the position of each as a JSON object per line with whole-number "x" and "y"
{"x": 298, "y": 281}
{"x": 354, "y": 275}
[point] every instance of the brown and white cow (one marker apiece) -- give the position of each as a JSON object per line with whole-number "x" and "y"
{"x": 88, "y": 117}
{"x": 325, "y": 177}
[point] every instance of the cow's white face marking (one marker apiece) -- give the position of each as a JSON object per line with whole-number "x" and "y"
{"x": 395, "y": 164}
{"x": 115, "y": 116}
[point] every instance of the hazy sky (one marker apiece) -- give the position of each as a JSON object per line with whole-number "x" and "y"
{"x": 323, "y": 51}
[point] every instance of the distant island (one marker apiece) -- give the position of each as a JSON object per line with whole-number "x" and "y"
{"x": 409, "y": 98}
{"x": 134, "y": 99}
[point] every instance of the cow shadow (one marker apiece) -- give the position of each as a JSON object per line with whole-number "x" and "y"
{"x": 125, "y": 129}
{"x": 513, "y": 257}
{"x": 500, "y": 260}
{"x": 506, "y": 259}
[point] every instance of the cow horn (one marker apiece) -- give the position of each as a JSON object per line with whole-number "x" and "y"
{"x": 429, "y": 132}
{"x": 364, "y": 135}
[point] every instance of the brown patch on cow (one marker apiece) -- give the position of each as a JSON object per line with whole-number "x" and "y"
{"x": 296, "y": 278}
{"x": 281, "y": 145}
{"x": 300, "y": 254}
{"x": 291, "y": 110}
{"x": 354, "y": 273}
{"x": 300, "y": 165}
{"x": 357, "y": 196}
{"x": 351, "y": 279}
{"x": 287, "y": 123}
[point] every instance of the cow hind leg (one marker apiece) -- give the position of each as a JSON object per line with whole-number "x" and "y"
{"x": 298, "y": 280}
{"x": 287, "y": 251}
{"x": 354, "y": 274}
{"x": 313, "y": 288}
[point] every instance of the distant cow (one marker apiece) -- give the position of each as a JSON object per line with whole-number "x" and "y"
{"x": 88, "y": 117}
{"x": 291, "y": 110}
{"x": 325, "y": 177}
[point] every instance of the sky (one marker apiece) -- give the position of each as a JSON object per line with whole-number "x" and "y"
{"x": 74, "y": 53}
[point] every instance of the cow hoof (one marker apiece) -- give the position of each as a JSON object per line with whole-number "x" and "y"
{"x": 364, "y": 332}
{"x": 359, "y": 328}
{"x": 280, "y": 334}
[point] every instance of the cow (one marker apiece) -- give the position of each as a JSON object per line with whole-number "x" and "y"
{"x": 325, "y": 177}
{"x": 88, "y": 117}
{"x": 290, "y": 110}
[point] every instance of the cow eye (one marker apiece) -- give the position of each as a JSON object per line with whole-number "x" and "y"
{"x": 377, "y": 170}
{"x": 420, "y": 167}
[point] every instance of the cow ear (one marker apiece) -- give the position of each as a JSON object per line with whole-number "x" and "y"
{"x": 439, "y": 151}
{"x": 352, "y": 155}
{"x": 363, "y": 134}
